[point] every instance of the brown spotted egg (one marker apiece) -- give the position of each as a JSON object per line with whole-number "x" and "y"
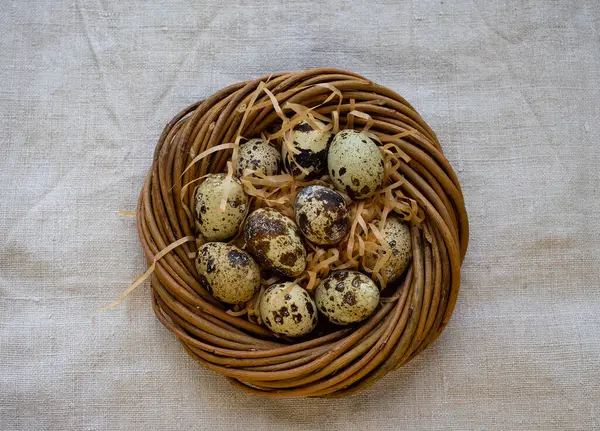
{"x": 398, "y": 237}
{"x": 322, "y": 215}
{"x": 275, "y": 242}
{"x": 259, "y": 156}
{"x": 288, "y": 309}
{"x": 312, "y": 146}
{"x": 355, "y": 164}
{"x": 230, "y": 274}
{"x": 347, "y": 297}
{"x": 213, "y": 223}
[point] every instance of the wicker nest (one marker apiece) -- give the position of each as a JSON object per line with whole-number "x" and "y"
{"x": 337, "y": 362}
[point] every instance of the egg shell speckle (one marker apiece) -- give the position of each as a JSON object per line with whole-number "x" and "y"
{"x": 230, "y": 274}
{"x": 313, "y": 146}
{"x": 355, "y": 164}
{"x": 259, "y": 156}
{"x": 288, "y": 309}
{"x": 322, "y": 215}
{"x": 398, "y": 236}
{"x": 347, "y": 297}
{"x": 214, "y": 224}
{"x": 275, "y": 242}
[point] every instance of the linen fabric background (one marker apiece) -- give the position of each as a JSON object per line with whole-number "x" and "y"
{"x": 512, "y": 89}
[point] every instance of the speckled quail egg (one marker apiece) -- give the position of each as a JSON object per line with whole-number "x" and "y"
{"x": 275, "y": 242}
{"x": 259, "y": 156}
{"x": 288, "y": 309}
{"x": 397, "y": 234}
{"x": 321, "y": 215}
{"x": 213, "y": 223}
{"x": 347, "y": 297}
{"x": 230, "y": 274}
{"x": 355, "y": 164}
{"x": 312, "y": 145}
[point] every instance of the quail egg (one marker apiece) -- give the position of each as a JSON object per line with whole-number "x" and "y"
{"x": 259, "y": 156}
{"x": 213, "y": 223}
{"x": 275, "y": 242}
{"x": 397, "y": 235}
{"x": 347, "y": 297}
{"x": 355, "y": 164}
{"x": 230, "y": 274}
{"x": 312, "y": 146}
{"x": 288, "y": 309}
{"x": 321, "y": 215}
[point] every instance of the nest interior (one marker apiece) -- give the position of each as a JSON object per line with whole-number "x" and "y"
{"x": 331, "y": 363}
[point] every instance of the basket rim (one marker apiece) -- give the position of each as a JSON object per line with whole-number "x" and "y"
{"x": 348, "y": 360}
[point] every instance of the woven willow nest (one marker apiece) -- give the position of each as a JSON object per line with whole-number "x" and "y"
{"x": 337, "y": 362}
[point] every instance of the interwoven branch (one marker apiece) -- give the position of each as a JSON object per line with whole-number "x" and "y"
{"x": 342, "y": 362}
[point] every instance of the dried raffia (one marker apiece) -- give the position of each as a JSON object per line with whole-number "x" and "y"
{"x": 364, "y": 116}
{"x": 140, "y": 279}
{"x": 335, "y": 120}
{"x": 350, "y": 118}
{"x": 226, "y": 187}
{"x": 127, "y": 213}
{"x": 421, "y": 189}
{"x": 183, "y": 193}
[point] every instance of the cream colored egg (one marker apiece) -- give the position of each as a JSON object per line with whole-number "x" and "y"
{"x": 230, "y": 274}
{"x": 355, "y": 164}
{"x": 347, "y": 297}
{"x": 310, "y": 161}
{"x": 288, "y": 309}
{"x": 275, "y": 242}
{"x": 213, "y": 223}
{"x": 322, "y": 215}
{"x": 398, "y": 237}
{"x": 259, "y": 156}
